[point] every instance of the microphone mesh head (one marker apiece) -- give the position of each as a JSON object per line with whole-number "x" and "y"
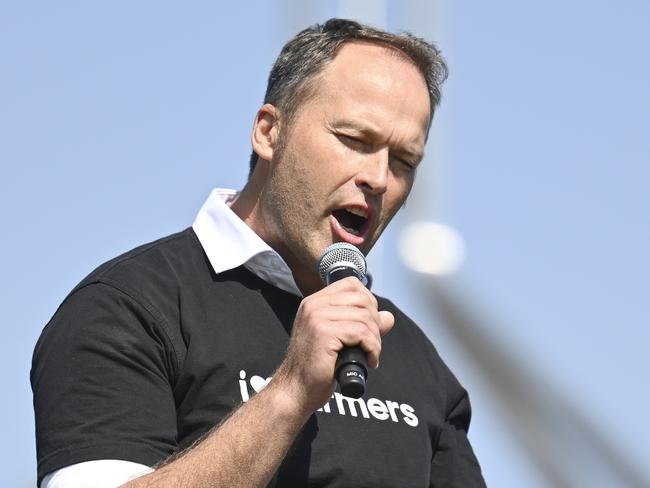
{"x": 341, "y": 254}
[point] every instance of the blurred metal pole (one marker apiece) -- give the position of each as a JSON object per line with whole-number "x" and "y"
{"x": 567, "y": 449}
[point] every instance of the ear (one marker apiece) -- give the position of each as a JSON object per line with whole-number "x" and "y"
{"x": 265, "y": 131}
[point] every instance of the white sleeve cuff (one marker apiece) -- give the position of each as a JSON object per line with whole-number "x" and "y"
{"x": 102, "y": 473}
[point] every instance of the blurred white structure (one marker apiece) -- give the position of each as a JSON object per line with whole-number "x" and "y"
{"x": 432, "y": 248}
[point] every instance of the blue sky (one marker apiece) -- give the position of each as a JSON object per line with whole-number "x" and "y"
{"x": 117, "y": 119}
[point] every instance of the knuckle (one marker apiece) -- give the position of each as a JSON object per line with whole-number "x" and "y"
{"x": 361, "y": 333}
{"x": 360, "y": 329}
{"x": 308, "y": 306}
{"x": 304, "y": 304}
{"x": 370, "y": 338}
{"x": 368, "y": 297}
{"x": 319, "y": 329}
{"x": 349, "y": 283}
{"x": 374, "y": 341}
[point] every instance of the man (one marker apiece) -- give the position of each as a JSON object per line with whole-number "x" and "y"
{"x": 157, "y": 347}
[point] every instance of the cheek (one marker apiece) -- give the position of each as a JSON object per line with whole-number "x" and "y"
{"x": 400, "y": 190}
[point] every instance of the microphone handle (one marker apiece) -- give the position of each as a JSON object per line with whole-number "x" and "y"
{"x": 352, "y": 362}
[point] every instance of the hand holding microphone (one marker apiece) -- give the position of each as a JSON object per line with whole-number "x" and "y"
{"x": 339, "y": 261}
{"x": 340, "y": 317}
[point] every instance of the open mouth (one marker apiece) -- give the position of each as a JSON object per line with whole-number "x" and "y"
{"x": 353, "y": 220}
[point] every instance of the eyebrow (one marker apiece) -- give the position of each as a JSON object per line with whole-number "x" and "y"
{"x": 374, "y": 134}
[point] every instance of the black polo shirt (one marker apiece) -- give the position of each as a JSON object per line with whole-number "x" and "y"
{"x": 153, "y": 349}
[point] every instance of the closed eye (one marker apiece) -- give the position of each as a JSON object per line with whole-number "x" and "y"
{"x": 406, "y": 164}
{"x": 361, "y": 145}
{"x": 354, "y": 142}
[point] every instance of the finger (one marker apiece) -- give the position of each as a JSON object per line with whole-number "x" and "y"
{"x": 354, "y": 334}
{"x": 387, "y": 321}
{"x": 372, "y": 347}
{"x": 342, "y": 300}
{"x": 349, "y": 285}
{"x": 349, "y": 314}
{"x": 351, "y": 298}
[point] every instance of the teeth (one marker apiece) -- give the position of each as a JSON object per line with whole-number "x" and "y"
{"x": 351, "y": 231}
{"x": 358, "y": 211}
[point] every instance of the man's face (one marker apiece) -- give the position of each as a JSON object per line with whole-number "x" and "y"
{"x": 348, "y": 161}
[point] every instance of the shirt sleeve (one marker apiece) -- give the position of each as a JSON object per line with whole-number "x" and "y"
{"x": 101, "y": 374}
{"x": 454, "y": 463}
{"x": 104, "y": 473}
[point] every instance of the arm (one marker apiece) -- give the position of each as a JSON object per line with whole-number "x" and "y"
{"x": 247, "y": 448}
{"x": 454, "y": 463}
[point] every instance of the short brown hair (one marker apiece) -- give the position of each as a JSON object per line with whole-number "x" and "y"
{"x": 291, "y": 79}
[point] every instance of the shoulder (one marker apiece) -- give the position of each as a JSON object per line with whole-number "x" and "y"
{"x": 130, "y": 299}
{"x": 166, "y": 258}
{"x": 135, "y": 294}
{"x": 152, "y": 274}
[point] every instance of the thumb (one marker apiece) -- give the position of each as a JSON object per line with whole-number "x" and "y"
{"x": 387, "y": 322}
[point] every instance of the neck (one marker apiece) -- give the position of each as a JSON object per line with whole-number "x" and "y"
{"x": 249, "y": 206}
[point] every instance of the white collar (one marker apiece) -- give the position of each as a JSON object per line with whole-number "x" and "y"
{"x": 229, "y": 242}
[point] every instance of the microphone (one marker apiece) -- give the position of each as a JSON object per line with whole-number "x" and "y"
{"x": 339, "y": 261}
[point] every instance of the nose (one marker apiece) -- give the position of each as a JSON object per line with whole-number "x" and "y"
{"x": 372, "y": 177}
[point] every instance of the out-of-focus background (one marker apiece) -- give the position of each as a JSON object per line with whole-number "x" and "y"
{"x": 117, "y": 119}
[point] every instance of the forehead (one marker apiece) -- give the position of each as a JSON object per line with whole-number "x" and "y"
{"x": 374, "y": 81}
